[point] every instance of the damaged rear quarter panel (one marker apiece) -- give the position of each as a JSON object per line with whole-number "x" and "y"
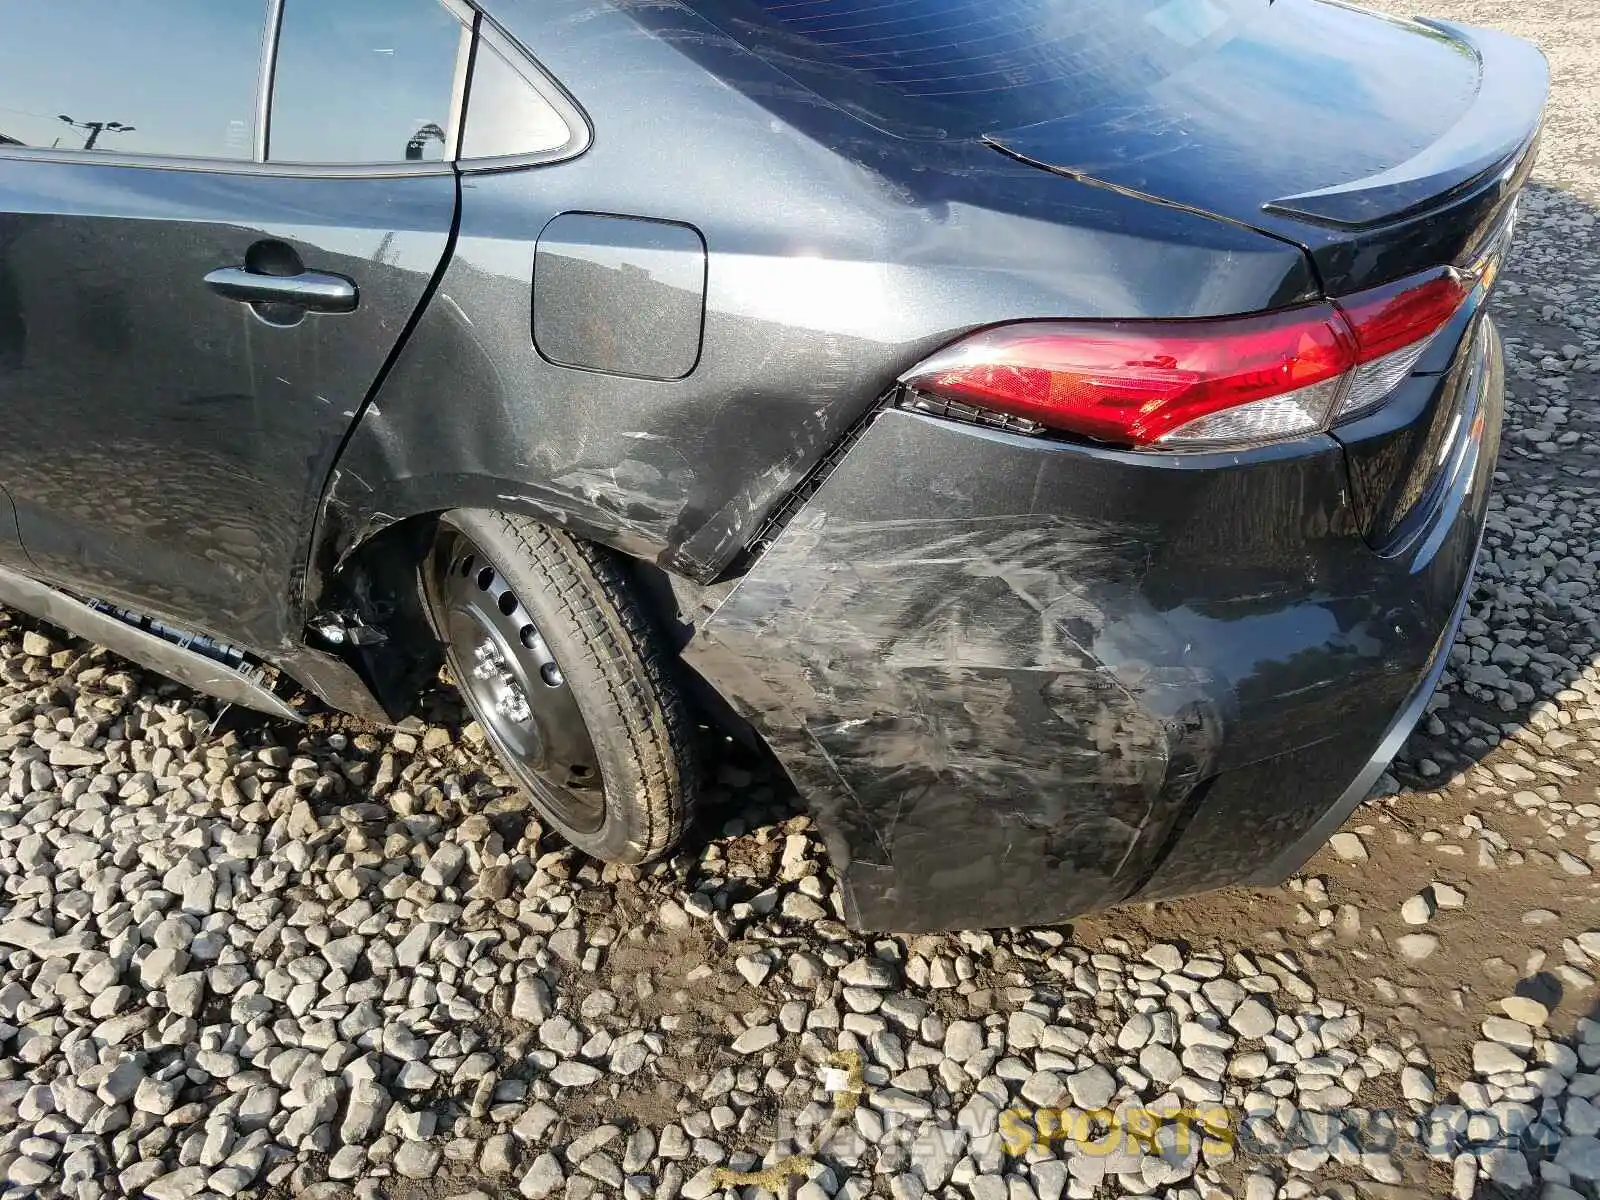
{"x": 836, "y": 257}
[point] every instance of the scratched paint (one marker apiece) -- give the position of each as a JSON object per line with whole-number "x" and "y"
{"x": 986, "y": 665}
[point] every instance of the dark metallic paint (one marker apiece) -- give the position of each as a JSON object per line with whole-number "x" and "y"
{"x": 166, "y": 447}
{"x": 1397, "y": 136}
{"x": 1490, "y": 135}
{"x": 620, "y": 295}
{"x": 837, "y": 255}
{"x": 1017, "y": 677}
{"x": 1004, "y": 671}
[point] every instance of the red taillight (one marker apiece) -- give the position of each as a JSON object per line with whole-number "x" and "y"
{"x": 1389, "y": 318}
{"x": 1199, "y": 383}
{"x": 1393, "y": 326}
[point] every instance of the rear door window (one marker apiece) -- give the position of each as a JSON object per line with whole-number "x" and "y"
{"x": 159, "y": 77}
{"x": 971, "y": 66}
{"x": 507, "y": 115}
{"x": 366, "y": 81}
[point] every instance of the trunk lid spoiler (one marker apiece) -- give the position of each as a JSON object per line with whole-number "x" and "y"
{"x": 1387, "y": 183}
{"x": 1492, "y": 135}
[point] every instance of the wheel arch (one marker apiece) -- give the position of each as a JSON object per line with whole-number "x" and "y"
{"x": 366, "y": 574}
{"x": 359, "y": 513}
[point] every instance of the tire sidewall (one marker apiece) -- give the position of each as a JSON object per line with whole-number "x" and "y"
{"x": 623, "y": 835}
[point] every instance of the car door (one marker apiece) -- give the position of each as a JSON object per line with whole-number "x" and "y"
{"x": 217, "y": 218}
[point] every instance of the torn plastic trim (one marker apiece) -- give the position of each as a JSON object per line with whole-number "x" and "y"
{"x": 808, "y": 487}
{"x": 228, "y": 655}
{"x": 970, "y": 414}
{"x": 222, "y": 671}
{"x": 373, "y": 635}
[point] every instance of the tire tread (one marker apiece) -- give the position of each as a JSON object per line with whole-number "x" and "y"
{"x": 643, "y": 703}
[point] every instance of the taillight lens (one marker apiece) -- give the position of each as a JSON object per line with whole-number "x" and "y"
{"x": 1393, "y": 326}
{"x": 1198, "y": 384}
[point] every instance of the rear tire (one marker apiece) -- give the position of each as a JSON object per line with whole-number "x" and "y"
{"x": 567, "y": 678}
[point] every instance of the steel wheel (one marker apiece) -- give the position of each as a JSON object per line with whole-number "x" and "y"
{"x": 505, "y": 670}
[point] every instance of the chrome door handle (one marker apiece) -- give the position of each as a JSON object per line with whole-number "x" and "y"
{"x": 310, "y": 290}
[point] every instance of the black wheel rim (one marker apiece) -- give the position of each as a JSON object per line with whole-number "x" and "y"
{"x": 514, "y": 686}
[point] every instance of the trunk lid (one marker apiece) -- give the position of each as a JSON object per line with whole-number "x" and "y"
{"x": 1384, "y": 148}
{"x": 1334, "y": 128}
{"x": 1344, "y": 131}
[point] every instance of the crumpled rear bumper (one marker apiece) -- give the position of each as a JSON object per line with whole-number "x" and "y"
{"x": 1018, "y": 679}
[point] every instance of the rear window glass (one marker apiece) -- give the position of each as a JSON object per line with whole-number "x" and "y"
{"x": 364, "y": 81}
{"x": 970, "y": 66}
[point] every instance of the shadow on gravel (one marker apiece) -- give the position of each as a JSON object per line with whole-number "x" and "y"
{"x": 1532, "y": 632}
{"x": 1548, "y": 991}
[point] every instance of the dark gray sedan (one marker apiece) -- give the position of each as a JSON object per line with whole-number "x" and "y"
{"x": 1060, "y": 430}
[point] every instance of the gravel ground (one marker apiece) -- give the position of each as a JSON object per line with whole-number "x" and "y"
{"x": 330, "y": 962}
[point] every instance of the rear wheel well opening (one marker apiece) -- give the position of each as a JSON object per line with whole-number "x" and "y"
{"x": 377, "y": 603}
{"x": 374, "y": 613}
{"x": 558, "y": 659}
